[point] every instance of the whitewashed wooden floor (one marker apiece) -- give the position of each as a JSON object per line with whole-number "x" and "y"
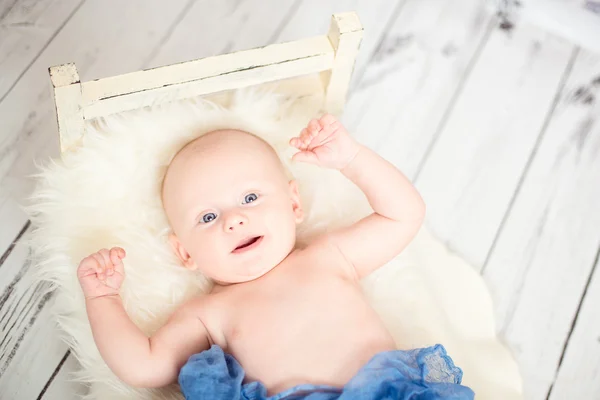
{"x": 496, "y": 120}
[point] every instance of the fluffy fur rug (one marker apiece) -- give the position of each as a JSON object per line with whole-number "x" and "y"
{"x": 107, "y": 194}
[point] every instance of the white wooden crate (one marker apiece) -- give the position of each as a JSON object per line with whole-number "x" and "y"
{"x": 290, "y": 66}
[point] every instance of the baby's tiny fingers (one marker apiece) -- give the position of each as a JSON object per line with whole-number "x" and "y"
{"x": 105, "y": 253}
{"x": 328, "y": 119}
{"x": 101, "y": 267}
{"x": 114, "y": 254}
{"x": 299, "y": 142}
{"x": 313, "y": 126}
{"x": 87, "y": 266}
{"x": 117, "y": 260}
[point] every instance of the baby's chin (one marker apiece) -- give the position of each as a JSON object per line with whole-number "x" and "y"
{"x": 252, "y": 268}
{"x": 242, "y": 276}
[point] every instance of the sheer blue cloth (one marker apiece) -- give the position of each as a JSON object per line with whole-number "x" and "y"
{"x": 419, "y": 374}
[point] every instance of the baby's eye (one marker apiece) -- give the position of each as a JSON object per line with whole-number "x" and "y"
{"x": 208, "y": 217}
{"x": 250, "y": 198}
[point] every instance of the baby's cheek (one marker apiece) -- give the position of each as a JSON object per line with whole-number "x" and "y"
{"x": 205, "y": 250}
{"x": 286, "y": 226}
{"x": 282, "y": 221}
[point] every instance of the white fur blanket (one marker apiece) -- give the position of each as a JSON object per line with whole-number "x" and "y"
{"x": 107, "y": 194}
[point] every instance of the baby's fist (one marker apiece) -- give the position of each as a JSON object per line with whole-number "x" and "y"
{"x": 325, "y": 142}
{"x": 102, "y": 273}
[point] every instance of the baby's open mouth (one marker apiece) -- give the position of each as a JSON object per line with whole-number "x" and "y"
{"x": 247, "y": 244}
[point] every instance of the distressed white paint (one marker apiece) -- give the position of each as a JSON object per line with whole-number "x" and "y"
{"x": 244, "y": 68}
{"x": 475, "y": 165}
{"x": 345, "y": 35}
{"x": 25, "y": 29}
{"x": 29, "y": 349}
{"x": 413, "y": 76}
{"x": 336, "y": 52}
{"x": 67, "y": 98}
{"x": 570, "y": 19}
{"x": 62, "y": 386}
{"x": 579, "y": 375}
{"x": 10, "y": 216}
{"x": 546, "y": 249}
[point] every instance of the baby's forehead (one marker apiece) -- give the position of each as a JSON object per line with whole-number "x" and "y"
{"x": 228, "y": 141}
{"x": 223, "y": 151}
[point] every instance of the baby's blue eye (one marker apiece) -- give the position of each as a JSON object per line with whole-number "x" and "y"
{"x": 250, "y": 198}
{"x": 208, "y": 217}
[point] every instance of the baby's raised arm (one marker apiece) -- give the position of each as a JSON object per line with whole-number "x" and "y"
{"x": 399, "y": 210}
{"x": 134, "y": 357}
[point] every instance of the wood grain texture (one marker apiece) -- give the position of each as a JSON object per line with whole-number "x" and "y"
{"x": 345, "y": 35}
{"x": 413, "y": 76}
{"x": 473, "y": 168}
{"x": 10, "y": 220}
{"x": 579, "y": 373}
{"x": 544, "y": 254}
{"x": 67, "y": 90}
{"x": 205, "y": 76}
{"x": 61, "y": 386}
{"x": 29, "y": 345}
{"x": 26, "y": 28}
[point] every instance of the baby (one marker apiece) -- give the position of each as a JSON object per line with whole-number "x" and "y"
{"x": 280, "y": 319}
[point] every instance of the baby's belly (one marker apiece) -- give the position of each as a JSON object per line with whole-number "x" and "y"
{"x": 319, "y": 335}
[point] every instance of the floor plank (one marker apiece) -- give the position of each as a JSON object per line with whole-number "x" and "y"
{"x": 413, "y": 76}
{"x": 229, "y": 26}
{"x": 579, "y": 374}
{"x": 7, "y": 236}
{"x": 26, "y": 28}
{"x": 543, "y": 256}
{"x": 62, "y": 387}
{"x": 29, "y": 343}
{"x": 473, "y": 168}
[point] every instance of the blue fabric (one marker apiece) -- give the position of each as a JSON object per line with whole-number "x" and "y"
{"x": 419, "y": 374}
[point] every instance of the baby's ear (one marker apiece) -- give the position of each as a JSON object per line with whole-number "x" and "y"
{"x": 182, "y": 254}
{"x": 296, "y": 204}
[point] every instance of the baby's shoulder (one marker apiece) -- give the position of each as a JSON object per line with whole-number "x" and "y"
{"x": 200, "y": 303}
{"x": 323, "y": 251}
{"x": 199, "y": 307}
{"x": 208, "y": 308}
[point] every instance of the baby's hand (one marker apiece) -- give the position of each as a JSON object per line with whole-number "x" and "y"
{"x": 101, "y": 274}
{"x": 325, "y": 142}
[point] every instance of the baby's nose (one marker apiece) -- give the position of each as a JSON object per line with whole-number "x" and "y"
{"x": 234, "y": 221}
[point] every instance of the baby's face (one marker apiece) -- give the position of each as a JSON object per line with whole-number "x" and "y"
{"x": 231, "y": 207}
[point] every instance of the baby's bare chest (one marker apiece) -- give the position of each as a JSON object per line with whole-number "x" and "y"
{"x": 308, "y": 320}
{"x": 303, "y": 295}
